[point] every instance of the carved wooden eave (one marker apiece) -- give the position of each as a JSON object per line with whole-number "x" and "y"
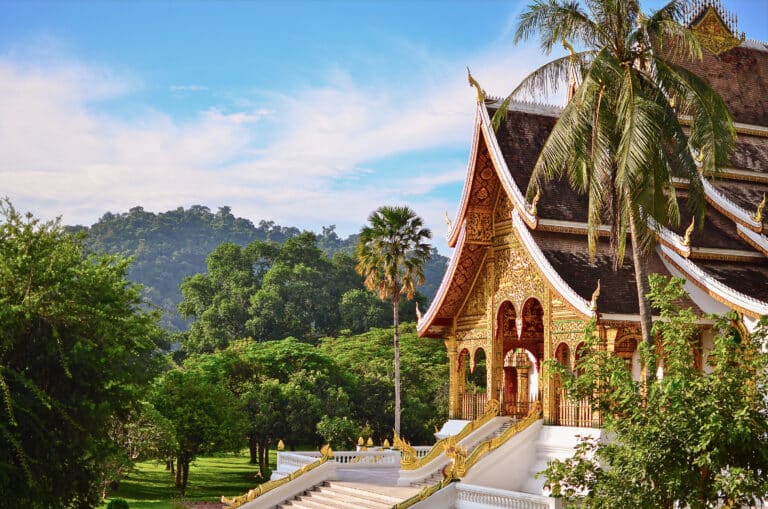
{"x": 756, "y": 240}
{"x": 508, "y": 183}
{"x": 722, "y": 293}
{"x": 679, "y": 245}
{"x": 456, "y": 225}
{"x": 438, "y": 320}
{"x": 728, "y": 208}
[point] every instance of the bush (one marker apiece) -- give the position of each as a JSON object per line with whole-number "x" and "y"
{"x": 340, "y": 432}
{"x": 118, "y": 503}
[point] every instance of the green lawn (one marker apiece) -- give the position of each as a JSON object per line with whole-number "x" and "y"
{"x": 150, "y": 486}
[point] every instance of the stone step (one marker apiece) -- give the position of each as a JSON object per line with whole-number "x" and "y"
{"x": 341, "y": 500}
{"x": 361, "y": 493}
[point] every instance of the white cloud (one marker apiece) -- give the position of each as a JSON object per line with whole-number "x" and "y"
{"x": 187, "y": 88}
{"x": 279, "y": 158}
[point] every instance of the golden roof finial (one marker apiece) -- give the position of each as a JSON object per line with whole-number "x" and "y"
{"x": 534, "y": 204}
{"x": 759, "y": 212}
{"x": 689, "y": 232}
{"x": 595, "y": 295}
{"x": 473, "y": 83}
{"x": 418, "y": 313}
{"x": 448, "y": 221}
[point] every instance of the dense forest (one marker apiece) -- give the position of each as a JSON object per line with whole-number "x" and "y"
{"x": 169, "y": 246}
{"x": 285, "y": 343}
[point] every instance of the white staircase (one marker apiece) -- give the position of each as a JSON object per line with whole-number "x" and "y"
{"x": 490, "y": 430}
{"x": 553, "y": 442}
{"x": 344, "y": 495}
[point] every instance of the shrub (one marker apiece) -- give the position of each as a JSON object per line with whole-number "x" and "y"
{"x": 118, "y": 503}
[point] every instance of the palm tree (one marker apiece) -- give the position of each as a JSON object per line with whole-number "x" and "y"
{"x": 391, "y": 253}
{"x": 620, "y": 139}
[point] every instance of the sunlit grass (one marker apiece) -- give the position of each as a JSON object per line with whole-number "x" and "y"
{"x": 150, "y": 486}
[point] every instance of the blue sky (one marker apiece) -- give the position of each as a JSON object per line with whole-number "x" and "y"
{"x": 307, "y": 113}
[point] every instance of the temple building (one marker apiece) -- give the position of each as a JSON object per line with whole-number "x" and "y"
{"x": 521, "y": 286}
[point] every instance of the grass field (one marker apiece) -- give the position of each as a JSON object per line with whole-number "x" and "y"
{"x": 150, "y": 486}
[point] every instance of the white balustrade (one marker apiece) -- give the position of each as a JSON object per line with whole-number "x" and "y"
{"x": 363, "y": 459}
{"x": 422, "y": 450}
{"x": 470, "y": 496}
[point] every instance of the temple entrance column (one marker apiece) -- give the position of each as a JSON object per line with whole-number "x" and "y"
{"x": 523, "y": 367}
{"x": 454, "y": 394}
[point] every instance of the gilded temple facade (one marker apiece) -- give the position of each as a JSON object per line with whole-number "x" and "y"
{"x": 521, "y": 287}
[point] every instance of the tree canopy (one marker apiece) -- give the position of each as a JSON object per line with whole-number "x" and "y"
{"x": 693, "y": 438}
{"x": 76, "y": 350}
{"x": 168, "y": 247}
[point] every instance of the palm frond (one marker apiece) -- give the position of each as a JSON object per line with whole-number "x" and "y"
{"x": 554, "y": 21}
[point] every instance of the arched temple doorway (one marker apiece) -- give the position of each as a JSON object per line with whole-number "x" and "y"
{"x": 521, "y": 340}
{"x": 473, "y": 382}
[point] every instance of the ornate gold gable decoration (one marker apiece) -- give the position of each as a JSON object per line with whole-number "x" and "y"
{"x": 715, "y": 34}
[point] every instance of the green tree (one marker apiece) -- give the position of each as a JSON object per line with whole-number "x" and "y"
{"x": 619, "y": 140}
{"x": 144, "y": 434}
{"x": 205, "y": 417}
{"x": 360, "y": 310}
{"x": 697, "y": 438}
{"x": 366, "y": 361}
{"x": 391, "y": 254}
{"x": 75, "y": 351}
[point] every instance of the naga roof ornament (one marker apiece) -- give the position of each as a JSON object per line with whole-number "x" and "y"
{"x": 473, "y": 83}
{"x": 759, "y": 212}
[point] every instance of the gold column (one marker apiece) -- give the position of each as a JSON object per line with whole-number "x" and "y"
{"x": 454, "y": 398}
{"x": 609, "y": 337}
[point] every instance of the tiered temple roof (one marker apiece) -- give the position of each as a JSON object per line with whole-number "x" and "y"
{"x": 726, "y": 259}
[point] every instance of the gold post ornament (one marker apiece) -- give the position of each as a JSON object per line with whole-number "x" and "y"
{"x": 369, "y": 443}
{"x": 385, "y": 445}
{"x": 759, "y": 212}
{"x": 595, "y": 295}
{"x": 360, "y": 441}
{"x": 689, "y": 232}
{"x": 473, "y": 83}
{"x": 280, "y": 445}
{"x": 326, "y": 451}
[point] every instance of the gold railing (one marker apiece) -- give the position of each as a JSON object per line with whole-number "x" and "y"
{"x": 424, "y": 493}
{"x": 409, "y": 460}
{"x": 261, "y": 489}
{"x": 462, "y": 463}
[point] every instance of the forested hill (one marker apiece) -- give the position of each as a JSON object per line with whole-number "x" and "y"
{"x": 172, "y": 245}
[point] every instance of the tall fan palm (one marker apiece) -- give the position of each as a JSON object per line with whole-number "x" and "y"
{"x": 637, "y": 120}
{"x": 391, "y": 253}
